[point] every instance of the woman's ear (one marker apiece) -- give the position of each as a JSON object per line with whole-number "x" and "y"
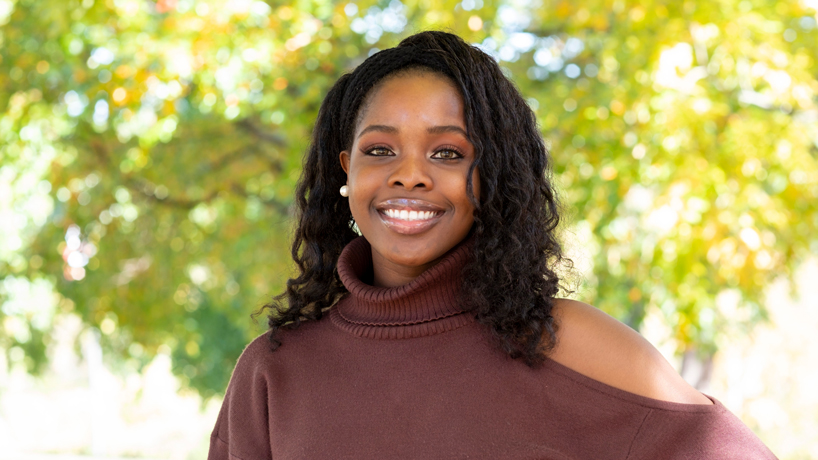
{"x": 344, "y": 157}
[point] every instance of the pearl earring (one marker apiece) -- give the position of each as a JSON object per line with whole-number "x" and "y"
{"x": 344, "y": 190}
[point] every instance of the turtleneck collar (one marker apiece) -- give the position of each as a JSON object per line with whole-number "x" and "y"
{"x": 427, "y": 305}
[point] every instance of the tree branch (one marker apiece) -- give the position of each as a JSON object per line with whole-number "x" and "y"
{"x": 259, "y": 133}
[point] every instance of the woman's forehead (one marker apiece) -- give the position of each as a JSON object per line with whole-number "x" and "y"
{"x": 415, "y": 97}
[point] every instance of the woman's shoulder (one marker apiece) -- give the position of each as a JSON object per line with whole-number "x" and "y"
{"x": 256, "y": 354}
{"x": 598, "y": 346}
{"x": 288, "y": 345}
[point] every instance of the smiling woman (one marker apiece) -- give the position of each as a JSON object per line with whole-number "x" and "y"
{"x": 436, "y": 332}
{"x": 408, "y": 171}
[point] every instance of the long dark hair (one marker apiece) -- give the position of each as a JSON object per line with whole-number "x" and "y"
{"x": 512, "y": 278}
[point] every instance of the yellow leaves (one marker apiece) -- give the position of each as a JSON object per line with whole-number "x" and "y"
{"x": 80, "y": 75}
{"x": 325, "y": 47}
{"x": 138, "y": 156}
{"x": 752, "y": 167}
{"x": 140, "y": 58}
{"x": 610, "y": 63}
{"x": 285, "y": 13}
{"x": 119, "y": 95}
{"x": 325, "y": 33}
{"x": 676, "y": 71}
{"x": 600, "y": 22}
{"x": 563, "y": 10}
{"x": 298, "y": 41}
{"x": 732, "y": 29}
{"x": 191, "y": 23}
{"x": 129, "y": 8}
{"x": 596, "y": 113}
{"x": 609, "y": 68}
{"x": 639, "y": 151}
{"x": 434, "y": 17}
{"x": 192, "y": 348}
{"x": 637, "y": 14}
{"x": 17, "y": 101}
{"x": 176, "y": 245}
{"x": 164, "y": 6}
{"x": 701, "y": 105}
{"x": 107, "y": 326}
{"x": 725, "y": 254}
{"x": 802, "y": 61}
{"x": 804, "y": 96}
{"x": 617, "y": 107}
{"x": 582, "y": 15}
{"x": 280, "y": 84}
{"x": 124, "y": 71}
{"x": 551, "y": 120}
{"x": 182, "y": 291}
{"x": 42, "y": 67}
{"x": 698, "y": 269}
{"x": 661, "y": 11}
{"x": 705, "y": 34}
{"x": 608, "y": 173}
{"x": 751, "y": 238}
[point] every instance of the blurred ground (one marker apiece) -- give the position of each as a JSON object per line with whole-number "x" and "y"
{"x": 80, "y": 407}
{"x": 80, "y": 410}
{"x": 770, "y": 379}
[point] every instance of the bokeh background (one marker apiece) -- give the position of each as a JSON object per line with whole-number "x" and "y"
{"x": 149, "y": 151}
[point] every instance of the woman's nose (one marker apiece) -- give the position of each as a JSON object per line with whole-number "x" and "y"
{"x": 411, "y": 171}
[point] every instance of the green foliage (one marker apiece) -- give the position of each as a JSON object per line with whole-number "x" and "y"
{"x": 687, "y": 145}
{"x": 150, "y": 149}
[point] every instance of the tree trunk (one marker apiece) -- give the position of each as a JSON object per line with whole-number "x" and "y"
{"x": 697, "y": 369}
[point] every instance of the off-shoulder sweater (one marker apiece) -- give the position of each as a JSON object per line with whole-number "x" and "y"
{"x": 405, "y": 373}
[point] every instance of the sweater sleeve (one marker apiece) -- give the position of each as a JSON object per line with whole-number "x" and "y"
{"x": 242, "y": 428}
{"x": 714, "y": 434}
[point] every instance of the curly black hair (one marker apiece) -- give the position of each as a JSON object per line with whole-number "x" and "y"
{"x": 512, "y": 278}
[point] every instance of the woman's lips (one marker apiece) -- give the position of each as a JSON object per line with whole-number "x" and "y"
{"x": 409, "y": 216}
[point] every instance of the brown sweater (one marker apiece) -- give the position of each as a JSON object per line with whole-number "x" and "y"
{"x": 404, "y": 373}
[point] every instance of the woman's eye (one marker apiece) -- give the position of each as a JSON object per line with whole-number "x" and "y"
{"x": 447, "y": 154}
{"x": 378, "y": 151}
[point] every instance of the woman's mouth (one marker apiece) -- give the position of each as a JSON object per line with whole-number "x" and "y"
{"x": 404, "y": 214}
{"x": 409, "y": 217}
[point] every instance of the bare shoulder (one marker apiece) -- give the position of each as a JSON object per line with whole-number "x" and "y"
{"x": 591, "y": 342}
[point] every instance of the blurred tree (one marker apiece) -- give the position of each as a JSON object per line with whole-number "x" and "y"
{"x": 169, "y": 136}
{"x": 149, "y": 152}
{"x": 685, "y": 138}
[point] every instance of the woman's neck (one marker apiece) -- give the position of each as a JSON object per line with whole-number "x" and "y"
{"x": 388, "y": 274}
{"x": 429, "y": 304}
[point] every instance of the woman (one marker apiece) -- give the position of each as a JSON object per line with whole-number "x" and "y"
{"x": 437, "y": 334}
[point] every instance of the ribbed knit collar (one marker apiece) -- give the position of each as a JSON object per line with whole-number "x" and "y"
{"x": 427, "y": 305}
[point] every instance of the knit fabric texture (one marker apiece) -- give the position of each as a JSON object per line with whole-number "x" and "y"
{"x": 405, "y": 373}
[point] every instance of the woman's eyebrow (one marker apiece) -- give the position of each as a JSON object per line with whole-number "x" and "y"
{"x": 378, "y": 128}
{"x": 447, "y": 129}
{"x": 432, "y": 130}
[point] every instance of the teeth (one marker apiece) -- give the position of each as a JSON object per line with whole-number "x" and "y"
{"x": 409, "y": 215}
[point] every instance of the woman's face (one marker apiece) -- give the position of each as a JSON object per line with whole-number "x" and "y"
{"x": 407, "y": 172}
